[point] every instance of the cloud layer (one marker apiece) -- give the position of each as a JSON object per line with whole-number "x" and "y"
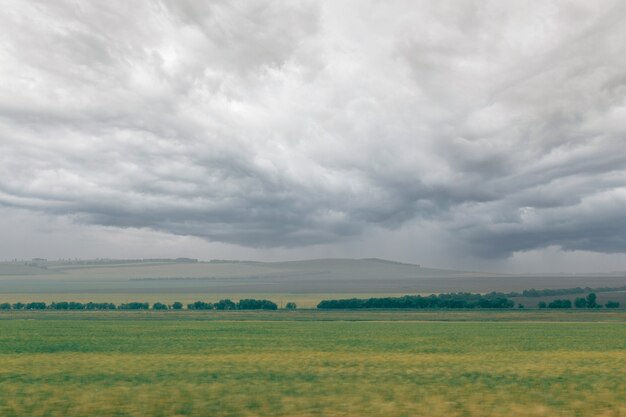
{"x": 269, "y": 124}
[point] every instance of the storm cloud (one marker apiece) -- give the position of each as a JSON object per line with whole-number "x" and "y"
{"x": 284, "y": 124}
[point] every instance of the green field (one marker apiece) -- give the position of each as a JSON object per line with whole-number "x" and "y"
{"x": 313, "y": 363}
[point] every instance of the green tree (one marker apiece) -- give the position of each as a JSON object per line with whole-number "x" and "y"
{"x": 580, "y": 303}
{"x": 291, "y": 306}
{"x": 200, "y": 305}
{"x": 134, "y": 306}
{"x": 591, "y": 300}
{"x": 542, "y": 304}
{"x": 252, "y": 304}
{"x": 612, "y": 304}
{"x": 560, "y": 304}
{"x": 177, "y": 305}
{"x": 225, "y": 305}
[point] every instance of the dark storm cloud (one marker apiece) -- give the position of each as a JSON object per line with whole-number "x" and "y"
{"x": 284, "y": 124}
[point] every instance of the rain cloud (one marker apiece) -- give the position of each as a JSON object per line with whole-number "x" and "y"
{"x": 286, "y": 124}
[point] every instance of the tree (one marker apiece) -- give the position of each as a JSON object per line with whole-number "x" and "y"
{"x": 225, "y": 305}
{"x": 134, "y": 306}
{"x": 252, "y": 304}
{"x": 160, "y": 306}
{"x": 591, "y": 300}
{"x": 200, "y": 305}
{"x": 560, "y": 304}
{"x": 100, "y": 306}
{"x": 580, "y": 303}
{"x": 5, "y": 306}
{"x": 291, "y": 306}
{"x": 542, "y": 304}
{"x": 177, "y": 305}
{"x": 612, "y": 304}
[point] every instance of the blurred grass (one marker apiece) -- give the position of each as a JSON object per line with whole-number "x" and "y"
{"x": 173, "y": 366}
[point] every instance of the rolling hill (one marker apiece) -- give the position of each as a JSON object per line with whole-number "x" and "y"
{"x": 316, "y": 276}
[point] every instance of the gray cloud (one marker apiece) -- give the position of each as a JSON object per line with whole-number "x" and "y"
{"x": 280, "y": 125}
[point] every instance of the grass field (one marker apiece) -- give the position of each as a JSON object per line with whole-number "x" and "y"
{"x": 313, "y": 364}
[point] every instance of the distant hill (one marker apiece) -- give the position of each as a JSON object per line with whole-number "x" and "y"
{"x": 314, "y": 276}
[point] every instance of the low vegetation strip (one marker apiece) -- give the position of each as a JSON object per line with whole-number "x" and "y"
{"x": 454, "y": 300}
{"x": 244, "y": 304}
{"x": 491, "y": 300}
{"x": 561, "y": 291}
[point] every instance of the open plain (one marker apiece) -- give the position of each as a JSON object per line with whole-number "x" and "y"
{"x": 311, "y": 363}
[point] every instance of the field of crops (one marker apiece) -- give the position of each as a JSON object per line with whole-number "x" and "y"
{"x": 312, "y": 364}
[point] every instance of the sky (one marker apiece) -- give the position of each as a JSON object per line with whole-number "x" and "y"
{"x": 483, "y": 135}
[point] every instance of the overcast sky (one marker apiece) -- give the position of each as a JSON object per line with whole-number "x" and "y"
{"x": 470, "y": 134}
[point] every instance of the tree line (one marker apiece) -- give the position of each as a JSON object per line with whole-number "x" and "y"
{"x": 226, "y": 304}
{"x": 442, "y": 301}
{"x": 588, "y": 302}
{"x": 455, "y": 301}
{"x": 551, "y": 292}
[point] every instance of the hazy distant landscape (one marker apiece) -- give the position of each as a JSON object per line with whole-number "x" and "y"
{"x": 307, "y": 281}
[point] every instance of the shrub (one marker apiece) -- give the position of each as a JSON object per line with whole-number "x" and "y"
{"x": 612, "y": 304}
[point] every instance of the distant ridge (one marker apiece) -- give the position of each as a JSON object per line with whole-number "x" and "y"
{"x": 387, "y": 261}
{"x": 312, "y": 276}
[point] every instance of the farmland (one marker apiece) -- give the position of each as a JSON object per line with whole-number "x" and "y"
{"x": 305, "y": 362}
{"x": 311, "y": 363}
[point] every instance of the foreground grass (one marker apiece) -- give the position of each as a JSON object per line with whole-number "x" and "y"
{"x": 167, "y": 365}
